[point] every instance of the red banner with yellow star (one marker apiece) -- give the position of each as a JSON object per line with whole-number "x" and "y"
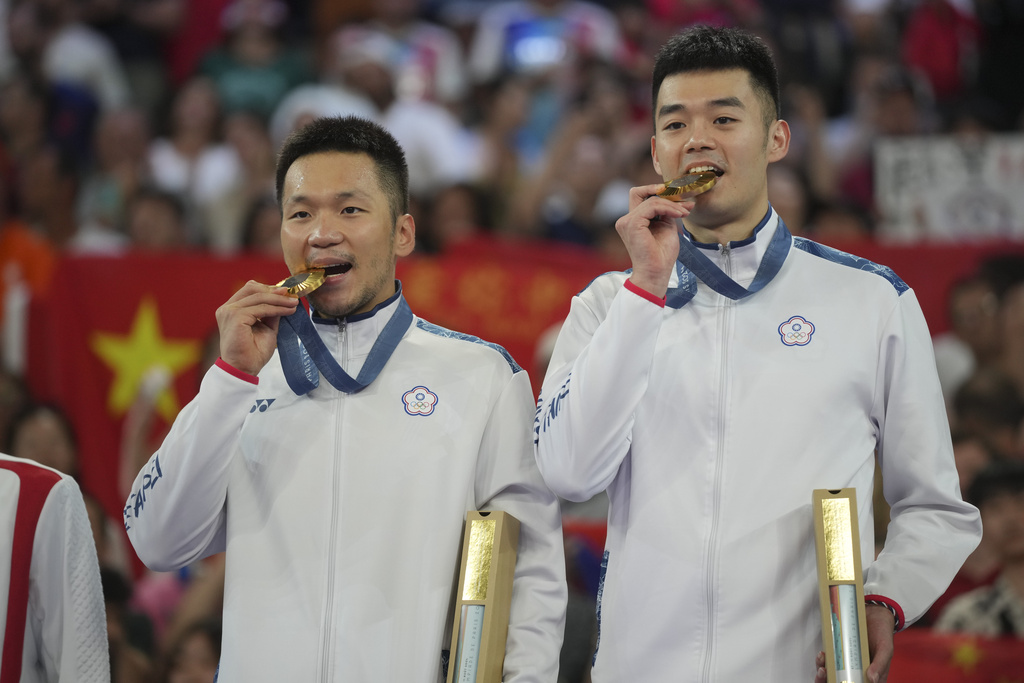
{"x": 922, "y": 655}
{"x": 107, "y": 323}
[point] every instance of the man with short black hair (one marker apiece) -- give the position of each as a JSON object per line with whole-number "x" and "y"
{"x": 715, "y": 385}
{"x": 341, "y": 503}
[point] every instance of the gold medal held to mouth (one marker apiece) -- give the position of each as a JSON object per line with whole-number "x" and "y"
{"x": 301, "y": 284}
{"x": 689, "y": 185}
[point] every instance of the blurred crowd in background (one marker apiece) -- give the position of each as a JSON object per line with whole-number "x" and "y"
{"x": 152, "y": 125}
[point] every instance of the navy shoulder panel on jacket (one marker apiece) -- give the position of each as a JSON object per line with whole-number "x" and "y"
{"x": 844, "y": 259}
{"x": 452, "y": 334}
{"x": 627, "y": 273}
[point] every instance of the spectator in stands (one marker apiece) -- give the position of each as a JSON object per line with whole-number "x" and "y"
{"x": 840, "y": 222}
{"x": 139, "y": 31}
{"x": 34, "y": 110}
{"x": 27, "y": 259}
{"x": 52, "y": 598}
{"x": 813, "y": 45}
{"x": 425, "y": 58}
{"x": 14, "y": 396}
{"x": 120, "y": 165}
{"x": 996, "y": 610}
{"x": 805, "y": 109}
{"x": 24, "y": 118}
{"x": 75, "y": 53}
{"x": 534, "y": 36}
{"x": 988, "y": 405}
{"x": 47, "y": 196}
{"x": 950, "y": 72}
{"x": 594, "y": 143}
{"x": 973, "y": 340}
{"x": 245, "y": 132}
{"x": 982, "y": 566}
{"x": 43, "y": 433}
{"x": 156, "y": 220}
{"x": 497, "y": 168}
{"x": 261, "y": 229}
{"x": 455, "y": 216}
{"x": 901, "y": 105}
{"x": 1011, "y": 335}
{"x": 254, "y": 68}
{"x": 175, "y": 601}
{"x": 433, "y": 139}
{"x": 789, "y": 195}
{"x": 546, "y": 40}
{"x": 191, "y": 159}
{"x": 613, "y": 201}
{"x": 329, "y": 95}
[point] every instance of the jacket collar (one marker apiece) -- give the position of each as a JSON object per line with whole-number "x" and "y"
{"x": 741, "y": 257}
{"x": 736, "y": 270}
{"x": 349, "y": 352}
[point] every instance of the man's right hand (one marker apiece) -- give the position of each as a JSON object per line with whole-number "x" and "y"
{"x": 248, "y": 325}
{"x": 651, "y": 236}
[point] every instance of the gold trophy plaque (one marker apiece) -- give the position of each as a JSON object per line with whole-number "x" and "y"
{"x": 840, "y": 585}
{"x": 484, "y": 597}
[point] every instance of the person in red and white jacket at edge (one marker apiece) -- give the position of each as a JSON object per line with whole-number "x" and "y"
{"x": 53, "y": 623}
{"x": 714, "y": 386}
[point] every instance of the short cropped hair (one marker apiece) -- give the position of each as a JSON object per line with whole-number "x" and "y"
{"x": 351, "y": 134}
{"x": 710, "y": 48}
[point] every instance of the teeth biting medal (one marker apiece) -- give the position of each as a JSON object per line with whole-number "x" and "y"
{"x": 303, "y": 283}
{"x": 689, "y": 185}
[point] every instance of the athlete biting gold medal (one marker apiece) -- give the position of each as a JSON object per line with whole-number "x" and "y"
{"x": 689, "y": 185}
{"x": 303, "y": 283}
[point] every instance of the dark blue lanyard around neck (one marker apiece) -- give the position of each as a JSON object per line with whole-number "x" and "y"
{"x": 693, "y": 265}
{"x": 304, "y": 356}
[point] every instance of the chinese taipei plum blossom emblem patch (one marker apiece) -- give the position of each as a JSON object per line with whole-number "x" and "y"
{"x": 419, "y": 401}
{"x": 796, "y": 331}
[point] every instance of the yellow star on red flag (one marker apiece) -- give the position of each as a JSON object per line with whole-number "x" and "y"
{"x": 139, "y": 352}
{"x": 966, "y": 656}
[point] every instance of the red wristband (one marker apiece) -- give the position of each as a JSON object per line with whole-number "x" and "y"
{"x": 889, "y": 604}
{"x": 235, "y": 372}
{"x": 640, "y": 291}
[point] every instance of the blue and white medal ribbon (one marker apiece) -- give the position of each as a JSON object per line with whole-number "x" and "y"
{"x": 692, "y": 265}
{"x": 304, "y": 356}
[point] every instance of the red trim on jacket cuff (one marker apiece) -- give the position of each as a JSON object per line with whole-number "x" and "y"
{"x": 235, "y": 372}
{"x": 889, "y": 604}
{"x": 640, "y": 291}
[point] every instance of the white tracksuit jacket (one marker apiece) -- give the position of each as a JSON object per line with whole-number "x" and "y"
{"x": 710, "y": 424}
{"x": 341, "y": 514}
{"x": 53, "y": 623}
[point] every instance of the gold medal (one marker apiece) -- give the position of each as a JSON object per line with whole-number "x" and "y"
{"x": 303, "y": 283}
{"x": 689, "y": 185}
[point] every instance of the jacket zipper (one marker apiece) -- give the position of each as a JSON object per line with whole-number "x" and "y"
{"x": 716, "y": 484}
{"x": 327, "y": 629}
